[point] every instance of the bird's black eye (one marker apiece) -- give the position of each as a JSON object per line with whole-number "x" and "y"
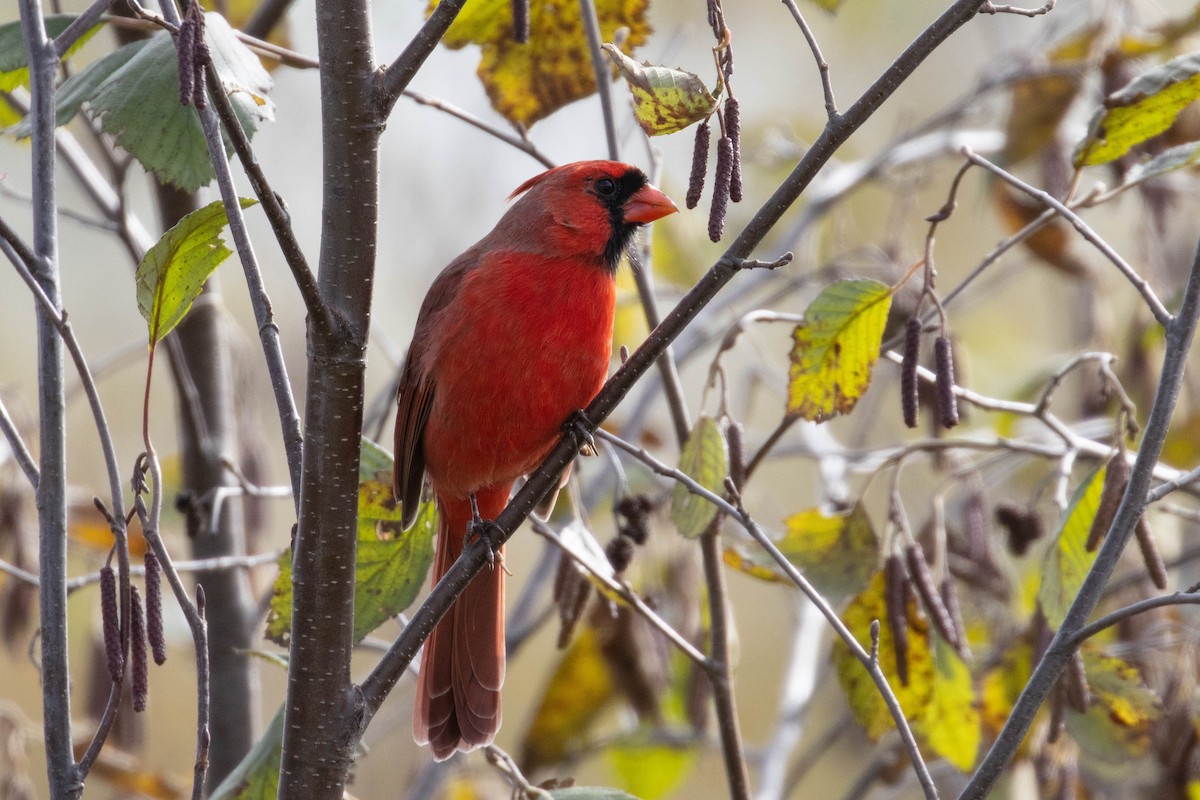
{"x": 606, "y": 186}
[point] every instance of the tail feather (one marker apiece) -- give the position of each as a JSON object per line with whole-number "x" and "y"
{"x": 462, "y": 668}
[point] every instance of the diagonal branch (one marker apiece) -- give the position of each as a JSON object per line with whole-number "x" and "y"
{"x": 1179, "y": 334}
{"x": 395, "y": 78}
{"x": 376, "y": 686}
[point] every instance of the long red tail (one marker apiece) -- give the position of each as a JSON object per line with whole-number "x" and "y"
{"x": 462, "y": 669}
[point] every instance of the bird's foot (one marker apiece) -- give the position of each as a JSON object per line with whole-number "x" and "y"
{"x": 489, "y": 532}
{"x": 580, "y": 427}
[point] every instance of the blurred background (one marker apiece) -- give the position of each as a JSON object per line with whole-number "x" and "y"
{"x": 444, "y": 184}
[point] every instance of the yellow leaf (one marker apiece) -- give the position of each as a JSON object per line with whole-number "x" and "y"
{"x": 528, "y": 82}
{"x": 1068, "y": 561}
{"x": 1116, "y": 727}
{"x": 835, "y": 348}
{"x": 650, "y": 771}
{"x": 1143, "y": 109}
{"x": 1002, "y": 685}
{"x": 576, "y": 694}
{"x": 861, "y": 693}
{"x": 950, "y": 723}
{"x": 664, "y": 100}
{"x": 838, "y": 552}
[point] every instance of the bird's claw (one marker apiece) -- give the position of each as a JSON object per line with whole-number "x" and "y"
{"x": 579, "y": 426}
{"x": 489, "y": 532}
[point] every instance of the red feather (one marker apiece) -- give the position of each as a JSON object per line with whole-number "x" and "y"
{"x": 513, "y": 336}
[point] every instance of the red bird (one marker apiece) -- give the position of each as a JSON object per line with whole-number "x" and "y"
{"x": 513, "y": 337}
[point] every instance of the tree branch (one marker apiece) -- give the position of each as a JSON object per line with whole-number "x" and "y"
{"x": 376, "y": 686}
{"x": 1179, "y": 334}
{"x": 395, "y": 78}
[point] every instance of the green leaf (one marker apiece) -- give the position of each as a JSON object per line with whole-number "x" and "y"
{"x": 1141, "y": 110}
{"x": 1118, "y": 724}
{"x": 1178, "y": 157}
{"x": 835, "y": 348}
{"x": 80, "y": 87}
{"x": 590, "y": 793}
{"x": 1068, "y": 561}
{"x": 257, "y": 776}
{"x": 14, "y": 62}
{"x": 664, "y": 100}
{"x": 138, "y": 103}
{"x": 174, "y": 270}
{"x": 837, "y": 551}
{"x": 391, "y": 565}
{"x": 703, "y": 460}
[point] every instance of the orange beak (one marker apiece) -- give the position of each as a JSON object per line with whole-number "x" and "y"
{"x": 647, "y": 205}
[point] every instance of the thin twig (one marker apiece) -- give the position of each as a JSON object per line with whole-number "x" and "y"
{"x": 268, "y": 331}
{"x": 80, "y": 26}
{"x": 1179, "y": 333}
{"x": 372, "y": 691}
{"x": 1141, "y": 284}
{"x": 1133, "y": 609}
{"x": 601, "y": 71}
{"x": 394, "y": 79}
{"x": 822, "y": 65}
{"x": 281, "y": 223}
{"x": 625, "y": 592}
{"x": 992, "y": 8}
{"x": 521, "y": 142}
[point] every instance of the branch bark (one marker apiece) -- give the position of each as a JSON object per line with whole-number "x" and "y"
{"x": 52, "y": 484}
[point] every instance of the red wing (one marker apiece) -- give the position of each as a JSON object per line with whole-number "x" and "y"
{"x": 414, "y": 398}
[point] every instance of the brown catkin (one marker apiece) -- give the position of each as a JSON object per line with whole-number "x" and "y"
{"x": 154, "y": 615}
{"x": 619, "y": 551}
{"x": 1058, "y": 711}
{"x": 720, "y": 198}
{"x": 949, "y": 593}
{"x": 1078, "y": 695}
{"x": 733, "y": 127}
{"x": 922, "y": 581}
{"x": 1116, "y": 478}
{"x": 895, "y": 594}
{"x": 735, "y": 438}
{"x": 111, "y": 622}
{"x": 1024, "y": 527}
{"x": 1150, "y": 554}
{"x": 137, "y": 643}
{"x": 943, "y": 354}
{"x": 185, "y": 50}
{"x": 909, "y": 402}
{"x": 520, "y": 20}
{"x": 699, "y": 164}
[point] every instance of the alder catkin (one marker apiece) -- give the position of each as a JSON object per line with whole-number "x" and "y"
{"x": 1024, "y": 527}
{"x": 1078, "y": 695}
{"x": 699, "y": 164}
{"x": 154, "y": 615}
{"x": 111, "y": 624}
{"x": 733, "y": 127}
{"x": 1116, "y": 478}
{"x": 620, "y": 552}
{"x": 185, "y": 51}
{"x": 944, "y": 362}
{"x": 895, "y": 597}
{"x": 1150, "y": 554}
{"x": 137, "y": 643}
{"x": 949, "y": 593}
{"x": 909, "y": 400}
{"x": 922, "y": 581}
{"x": 735, "y": 438}
{"x": 520, "y": 20}
{"x": 720, "y": 198}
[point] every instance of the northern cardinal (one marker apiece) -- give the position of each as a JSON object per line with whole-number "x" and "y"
{"x": 512, "y": 338}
